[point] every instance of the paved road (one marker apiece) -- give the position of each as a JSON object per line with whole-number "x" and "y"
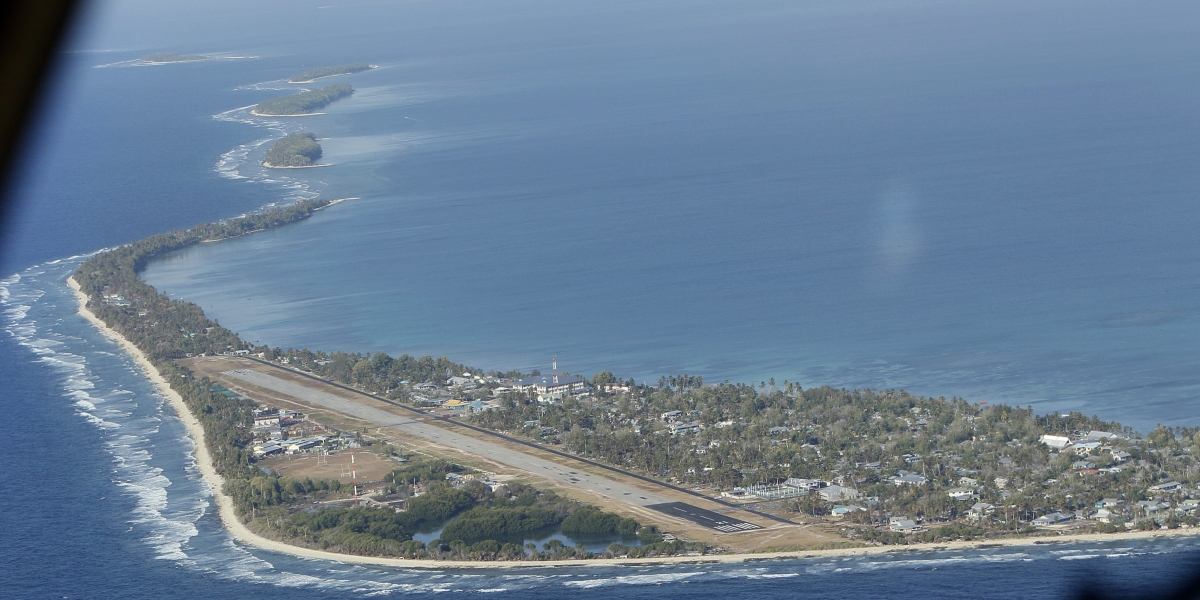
{"x": 515, "y": 459}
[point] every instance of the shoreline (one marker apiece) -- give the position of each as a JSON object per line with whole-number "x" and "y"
{"x": 311, "y": 114}
{"x": 271, "y": 166}
{"x": 241, "y": 533}
{"x": 369, "y": 67}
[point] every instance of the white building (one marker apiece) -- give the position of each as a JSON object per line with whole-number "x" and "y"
{"x": 961, "y": 493}
{"x": 550, "y": 385}
{"x": 1058, "y": 442}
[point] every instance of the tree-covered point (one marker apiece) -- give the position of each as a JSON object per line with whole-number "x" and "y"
{"x": 314, "y": 74}
{"x": 294, "y": 150}
{"x": 162, "y": 328}
{"x": 476, "y": 522}
{"x": 304, "y": 102}
{"x": 169, "y": 57}
{"x": 593, "y": 520}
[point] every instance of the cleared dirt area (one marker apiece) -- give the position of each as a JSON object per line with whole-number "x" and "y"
{"x": 419, "y": 433}
{"x": 338, "y": 466}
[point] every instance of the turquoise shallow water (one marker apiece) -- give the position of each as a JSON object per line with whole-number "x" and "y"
{"x": 857, "y": 197}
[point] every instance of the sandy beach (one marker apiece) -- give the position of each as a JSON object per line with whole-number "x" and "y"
{"x": 243, "y": 534}
{"x": 271, "y": 166}
{"x": 258, "y": 114}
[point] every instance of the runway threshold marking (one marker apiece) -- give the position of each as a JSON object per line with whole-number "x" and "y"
{"x": 700, "y": 516}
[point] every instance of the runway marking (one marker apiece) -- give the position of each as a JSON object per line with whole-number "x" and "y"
{"x": 700, "y": 516}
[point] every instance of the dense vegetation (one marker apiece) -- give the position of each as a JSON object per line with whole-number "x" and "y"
{"x": 294, "y": 150}
{"x": 304, "y": 102}
{"x": 594, "y": 520}
{"x": 313, "y": 74}
{"x": 488, "y": 525}
{"x": 377, "y": 372}
{"x": 167, "y": 57}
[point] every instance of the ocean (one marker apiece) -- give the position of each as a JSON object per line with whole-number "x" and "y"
{"x": 956, "y": 198}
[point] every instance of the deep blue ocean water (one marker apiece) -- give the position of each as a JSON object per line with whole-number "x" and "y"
{"x": 960, "y": 199}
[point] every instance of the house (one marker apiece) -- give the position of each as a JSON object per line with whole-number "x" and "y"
{"x": 980, "y": 510}
{"x": 1106, "y": 516}
{"x": 968, "y": 482}
{"x": 1150, "y": 506}
{"x": 736, "y": 493}
{"x": 1120, "y": 456}
{"x": 1085, "y": 448}
{"x": 1001, "y": 482}
{"x": 1169, "y": 486}
{"x": 1109, "y": 503}
{"x": 1080, "y": 465}
{"x": 777, "y": 430}
{"x": 841, "y": 511}
{"x": 909, "y": 479}
{"x": 836, "y": 493}
{"x": 1057, "y": 442}
{"x": 681, "y": 428}
{"x": 552, "y": 385}
{"x": 671, "y": 415}
{"x": 464, "y": 381}
{"x": 903, "y": 525}
{"x": 1053, "y": 518}
{"x": 961, "y": 493}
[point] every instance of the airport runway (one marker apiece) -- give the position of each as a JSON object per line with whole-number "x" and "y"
{"x": 515, "y": 459}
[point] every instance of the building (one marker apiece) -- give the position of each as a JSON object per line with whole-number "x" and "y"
{"x": 841, "y": 511}
{"x": 980, "y": 510}
{"x": 1058, "y": 442}
{"x": 908, "y": 479}
{"x": 266, "y": 419}
{"x": 961, "y": 493}
{"x": 772, "y": 492}
{"x": 837, "y": 493}
{"x": 680, "y": 428}
{"x": 551, "y": 385}
{"x": 805, "y": 484}
{"x": 1150, "y": 506}
{"x": 903, "y": 525}
{"x": 1109, "y": 503}
{"x": 1169, "y": 486}
{"x": 1053, "y": 518}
